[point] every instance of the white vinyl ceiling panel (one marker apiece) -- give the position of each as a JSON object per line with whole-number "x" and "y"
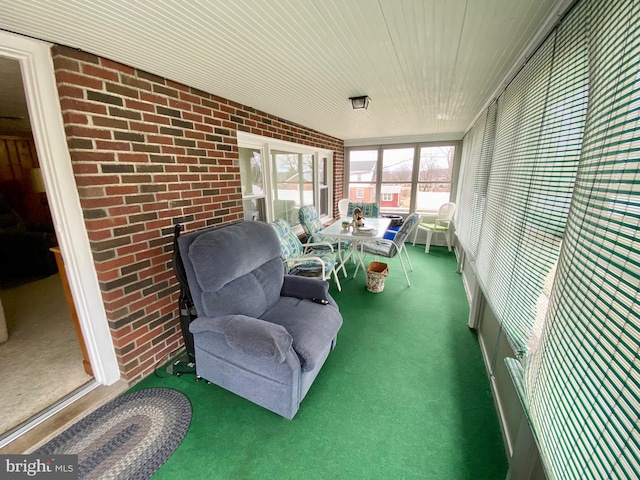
{"x": 429, "y": 66}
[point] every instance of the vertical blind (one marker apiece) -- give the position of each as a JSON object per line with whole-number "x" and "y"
{"x": 583, "y": 384}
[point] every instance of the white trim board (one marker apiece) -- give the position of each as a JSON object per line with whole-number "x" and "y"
{"x": 48, "y": 132}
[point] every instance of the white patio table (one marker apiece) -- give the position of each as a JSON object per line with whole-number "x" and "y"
{"x": 380, "y": 226}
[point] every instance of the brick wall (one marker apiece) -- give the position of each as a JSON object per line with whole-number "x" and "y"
{"x": 147, "y": 153}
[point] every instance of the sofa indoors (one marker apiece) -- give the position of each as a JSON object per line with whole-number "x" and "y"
{"x": 259, "y": 333}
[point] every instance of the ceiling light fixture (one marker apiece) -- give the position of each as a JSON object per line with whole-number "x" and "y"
{"x": 360, "y": 102}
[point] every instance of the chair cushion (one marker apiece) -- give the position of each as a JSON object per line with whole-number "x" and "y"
{"x": 312, "y": 226}
{"x": 309, "y": 220}
{"x": 432, "y": 226}
{"x": 406, "y": 228}
{"x": 383, "y": 248}
{"x": 255, "y": 337}
{"x": 369, "y": 210}
{"x": 290, "y": 245}
{"x": 311, "y": 325}
{"x": 230, "y": 261}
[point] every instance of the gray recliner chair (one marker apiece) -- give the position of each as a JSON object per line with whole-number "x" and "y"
{"x": 259, "y": 333}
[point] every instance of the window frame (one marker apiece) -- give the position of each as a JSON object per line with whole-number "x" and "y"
{"x": 417, "y": 146}
{"x": 266, "y": 145}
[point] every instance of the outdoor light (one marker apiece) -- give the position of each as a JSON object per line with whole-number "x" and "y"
{"x": 360, "y": 102}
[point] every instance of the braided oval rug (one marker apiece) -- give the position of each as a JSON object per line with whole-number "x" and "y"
{"x": 129, "y": 437}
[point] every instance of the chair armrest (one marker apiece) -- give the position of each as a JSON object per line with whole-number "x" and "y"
{"x": 305, "y": 287}
{"x": 312, "y": 244}
{"x": 252, "y": 336}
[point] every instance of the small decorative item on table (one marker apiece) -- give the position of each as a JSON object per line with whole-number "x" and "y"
{"x": 358, "y": 217}
{"x": 346, "y": 224}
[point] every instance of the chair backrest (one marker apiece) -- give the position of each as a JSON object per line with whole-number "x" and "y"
{"x": 290, "y": 245}
{"x": 311, "y": 224}
{"x": 446, "y": 211}
{"x": 369, "y": 210}
{"x": 343, "y": 207}
{"x": 233, "y": 269}
{"x": 406, "y": 228}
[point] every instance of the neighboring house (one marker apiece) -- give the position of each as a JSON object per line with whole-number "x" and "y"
{"x": 390, "y": 196}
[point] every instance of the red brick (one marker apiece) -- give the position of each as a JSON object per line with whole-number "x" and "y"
{"x": 221, "y": 117}
{"x": 173, "y": 103}
{"x": 148, "y": 336}
{"x": 227, "y": 109}
{"x": 196, "y": 134}
{"x": 84, "y": 168}
{"x": 177, "y": 86}
{"x": 95, "y": 71}
{"x": 109, "y": 275}
{"x": 143, "y": 127}
{"x": 117, "y": 66}
{"x": 63, "y": 76}
{"x": 153, "y": 98}
{"x": 123, "y": 301}
{"x": 136, "y": 105}
{"x": 62, "y": 63}
{"x": 109, "y": 122}
{"x": 128, "y": 337}
{"x": 176, "y": 168}
{"x": 114, "y": 264}
{"x": 85, "y": 132}
{"x": 97, "y": 179}
{"x": 149, "y": 253}
{"x": 125, "y": 210}
{"x": 133, "y": 157}
{"x": 141, "y": 237}
{"x": 90, "y": 203}
{"x": 207, "y": 112}
{"x": 81, "y": 105}
{"x": 103, "y": 145}
{"x": 188, "y": 97}
{"x": 104, "y": 223}
{"x": 77, "y": 118}
{"x": 160, "y": 139}
{"x": 140, "y": 371}
{"x": 168, "y": 149}
{"x": 98, "y": 236}
{"x": 122, "y": 190}
{"x": 70, "y": 91}
{"x": 192, "y": 117}
{"x": 151, "y": 118}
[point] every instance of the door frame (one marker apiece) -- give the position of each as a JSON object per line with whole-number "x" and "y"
{"x": 41, "y": 94}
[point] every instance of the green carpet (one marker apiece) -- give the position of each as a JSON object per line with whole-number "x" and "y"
{"x": 403, "y": 396}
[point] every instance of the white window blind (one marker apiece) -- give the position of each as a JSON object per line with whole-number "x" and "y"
{"x": 583, "y": 384}
{"x": 477, "y": 155}
{"x": 540, "y": 123}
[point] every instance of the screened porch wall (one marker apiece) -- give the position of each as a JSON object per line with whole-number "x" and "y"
{"x": 578, "y": 353}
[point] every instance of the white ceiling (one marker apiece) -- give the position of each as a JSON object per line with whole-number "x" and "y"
{"x": 429, "y": 66}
